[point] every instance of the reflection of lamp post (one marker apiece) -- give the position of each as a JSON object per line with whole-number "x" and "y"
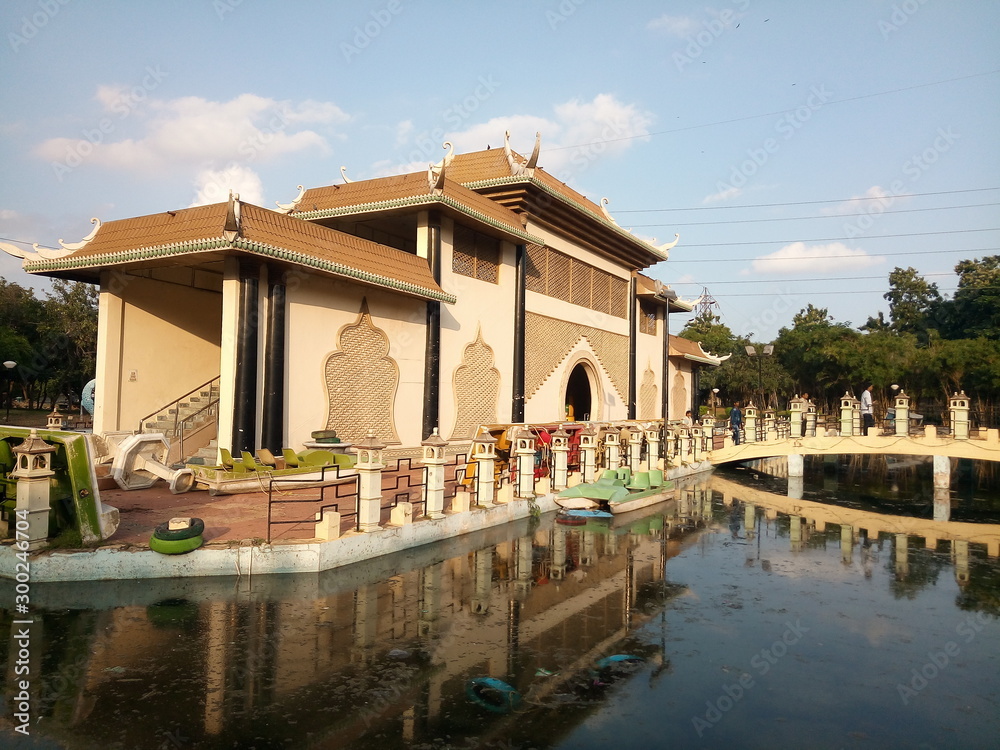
{"x": 752, "y": 352}
{"x": 715, "y": 401}
{"x": 8, "y": 366}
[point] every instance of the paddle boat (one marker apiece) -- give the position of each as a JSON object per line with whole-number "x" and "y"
{"x": 618, "y": 491}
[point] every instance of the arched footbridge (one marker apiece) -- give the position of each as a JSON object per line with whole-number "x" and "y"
{"x": 928, "y": 443}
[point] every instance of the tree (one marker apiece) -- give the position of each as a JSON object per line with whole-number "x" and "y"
{"x": 975, "y": 309}
{"x": 913, "y": 302}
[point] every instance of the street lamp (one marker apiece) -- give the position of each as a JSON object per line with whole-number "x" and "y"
{"x": 767, "y": 352}
{"x": 715, "y": 402}
{"x": 8, "y": 366}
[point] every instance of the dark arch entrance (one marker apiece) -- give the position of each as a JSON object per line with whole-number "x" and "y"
{"x": 578, "y": 396}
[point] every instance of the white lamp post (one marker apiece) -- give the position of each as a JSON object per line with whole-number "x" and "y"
{"x": 8, "y": 366}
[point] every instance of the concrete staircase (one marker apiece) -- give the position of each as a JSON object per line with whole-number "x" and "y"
{"x": 190, "y": 423}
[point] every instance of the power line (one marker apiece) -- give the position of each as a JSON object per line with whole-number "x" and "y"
{"x": 842, "y": 257}
{"x": 834, "y": 239}
{"x": 820, "y": 278}
{"x": 681, "y": 224}
{"x": 771, "y": 114}
{"x": 853, "y": 291}
{"x": 805, "y": 203}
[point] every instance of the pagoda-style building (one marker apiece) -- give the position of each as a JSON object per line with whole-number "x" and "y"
{"x": 479, "y": 291}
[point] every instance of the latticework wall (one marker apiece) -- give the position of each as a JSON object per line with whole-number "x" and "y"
{"x": 548, "y": 341}
{"x": 361, "y": 381}
{"x": 477, "y": 386}
{"x": 557, "y": 275}
{"x": 648, "y": 392}
{"x": 475, "y": 254}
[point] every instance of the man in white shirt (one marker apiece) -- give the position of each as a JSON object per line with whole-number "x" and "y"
{"x": 867, "y": 412}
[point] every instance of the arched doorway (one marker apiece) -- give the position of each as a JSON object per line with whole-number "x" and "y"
{"x": 578, "y": 394}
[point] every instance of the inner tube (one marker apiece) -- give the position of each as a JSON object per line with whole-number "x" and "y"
{"x": 164, "y": 533}
{"x": 492, "y": 694}
{"x": 175, "y": 546}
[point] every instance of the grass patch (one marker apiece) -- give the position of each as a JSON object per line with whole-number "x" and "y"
{"x": 25, "y": 418}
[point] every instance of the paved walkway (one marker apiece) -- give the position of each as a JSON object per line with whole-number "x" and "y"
{"x": 233, "y": 518}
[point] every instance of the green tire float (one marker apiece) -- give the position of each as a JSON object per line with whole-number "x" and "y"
{"x": 175, "y": 546}
{"x": 164, "y": 533}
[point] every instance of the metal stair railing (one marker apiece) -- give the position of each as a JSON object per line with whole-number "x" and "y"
{"x": 179, "y": 429}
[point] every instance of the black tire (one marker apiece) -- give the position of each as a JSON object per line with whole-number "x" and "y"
{"x": 164, "y": 532}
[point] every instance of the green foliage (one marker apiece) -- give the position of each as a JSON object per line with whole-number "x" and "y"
{"x": 53, "y": 341}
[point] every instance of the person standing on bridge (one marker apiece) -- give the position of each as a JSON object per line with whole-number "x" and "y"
{"x": 736, "y": 422}
{"x": 867, "y": 412}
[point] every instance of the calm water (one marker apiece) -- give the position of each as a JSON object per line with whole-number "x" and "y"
{"x": 753, "y": 620}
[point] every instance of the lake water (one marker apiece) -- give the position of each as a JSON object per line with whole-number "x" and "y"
{"x": 751, "y": 619}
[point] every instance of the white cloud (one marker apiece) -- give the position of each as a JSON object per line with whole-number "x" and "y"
{"x": 680, "y": 26}
{"x": 723, "y": 195}
{"x": 799, "y": 258}
{"x": 864, "y": 203}
{"x": 213, "y": 185}
{"x": 190, "y": 131}
{"x": 576, "y": 134}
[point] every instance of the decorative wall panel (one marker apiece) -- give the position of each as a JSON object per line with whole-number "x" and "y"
{"x": 361, "y": 381}
{"x": 477, "y": 386}
{"x": 548, "y": 341}
{"x": 648, "y": 392}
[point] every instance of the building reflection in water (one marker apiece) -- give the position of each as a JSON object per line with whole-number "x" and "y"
{"x": 380, "y": 654}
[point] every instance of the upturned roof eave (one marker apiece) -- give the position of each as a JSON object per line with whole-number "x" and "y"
{"x": 69, "y": 265}
{"x": 429, "y": 199}
{"x": 642, "y": 248}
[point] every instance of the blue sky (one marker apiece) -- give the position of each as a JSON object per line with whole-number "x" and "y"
{"x": 802, "y": 150}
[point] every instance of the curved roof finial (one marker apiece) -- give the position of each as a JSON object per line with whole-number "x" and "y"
{"x": 50, "y": 253}
{"x": 343, "y": 173}
{"x": 664, "y": 248}
{"x": 604, "y": 210}
{"x": 24, "y": 255}
{"x": 533, "y": 159}
{"x": 435, "y": 178}
{"x": 77, "y": 245}
{"x": 289, "y": 207}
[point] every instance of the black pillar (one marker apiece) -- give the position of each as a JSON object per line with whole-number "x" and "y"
{"x": 245, "y": 401}
{"x": 633, "y": 320}
{"x": 520, "y": 278}
{"x": 695, "y": 390}
{"x": 432, "y": 348}
{"x": 272, "y": 429}
{"x": 665, "y": 379}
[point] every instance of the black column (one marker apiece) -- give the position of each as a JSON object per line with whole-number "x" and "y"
{"x": 272, "y": 429}
{"x": 665, "y": 386}
{"x": 520, "y": 278}
{"x": 432, "y": 349}
{"x": 245, "y": 397}
{"x": 633, "y": 320}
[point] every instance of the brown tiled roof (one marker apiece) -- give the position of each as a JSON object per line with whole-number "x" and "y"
{"x": 400, "y": 191}
{"x": 183, "y": 225}
{"x": 200, "y": 231}
{"x": 492, "y": 164}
